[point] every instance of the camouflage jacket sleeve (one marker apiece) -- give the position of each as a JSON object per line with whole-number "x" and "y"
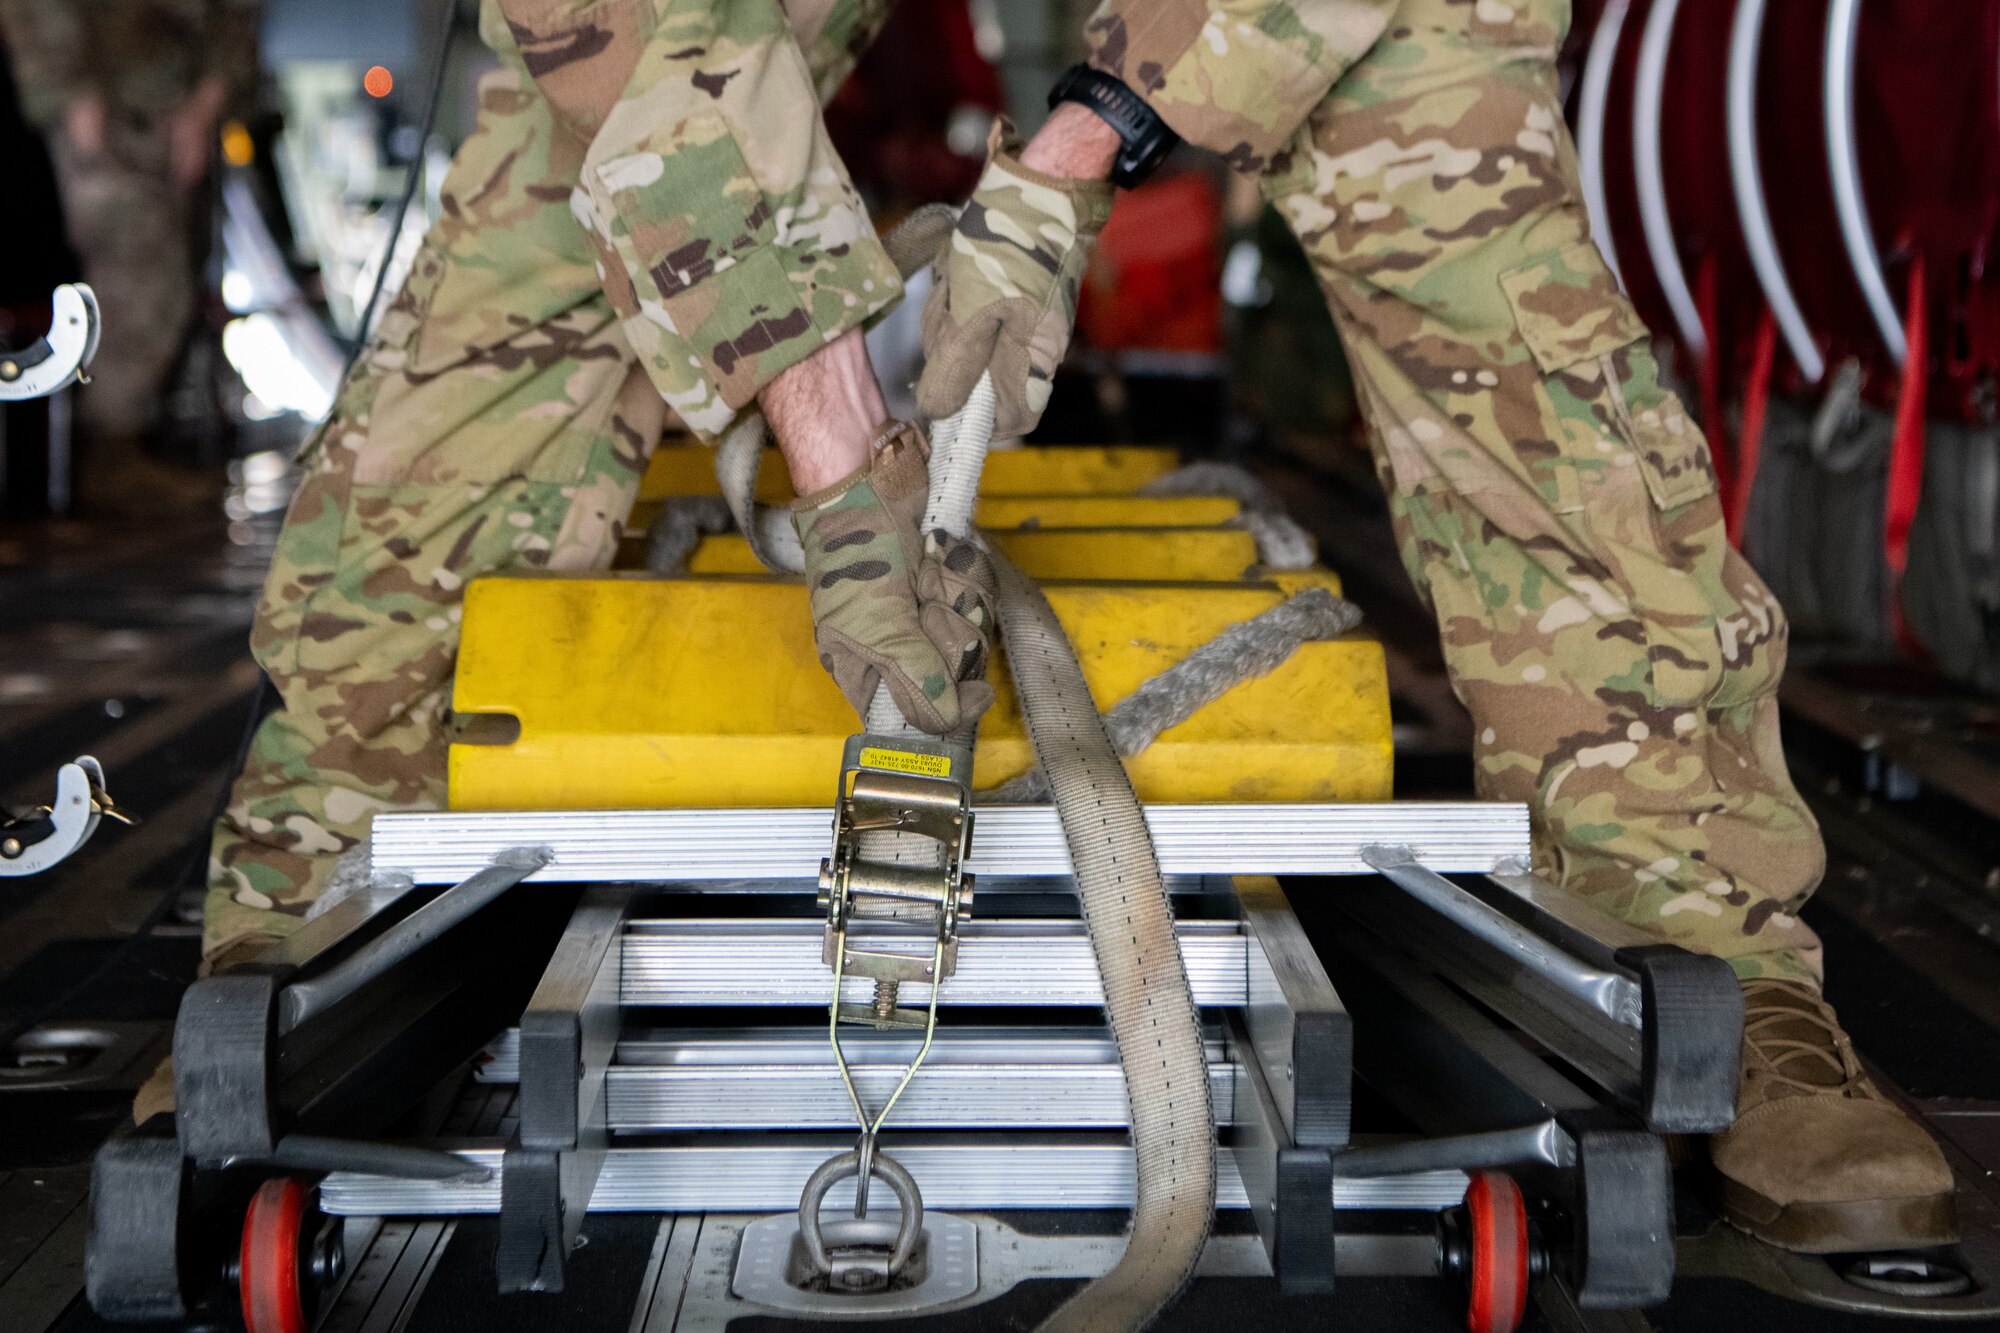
{"x": 729, "y": 237}
{"x": 49, "y": 45}
{"x": 1237, "y": 77}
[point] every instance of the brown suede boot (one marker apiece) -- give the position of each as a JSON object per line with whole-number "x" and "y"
{"x": 156, "y": 1094}
{"x": 1819, "y": 1160}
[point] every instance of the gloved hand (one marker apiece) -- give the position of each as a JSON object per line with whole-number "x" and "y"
{"x": 865, "y": 564}
{"x": 956, "y": 594}
{"x": 1007, "y": 287}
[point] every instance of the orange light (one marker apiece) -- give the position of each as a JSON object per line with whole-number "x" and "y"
{"x": 378, "y": 82}
{"x": 238, "y": 148}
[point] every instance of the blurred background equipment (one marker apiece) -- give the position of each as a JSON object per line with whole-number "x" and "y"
{"x": 233, "y": 205}
{"x": 1803, "y": 197}
{"x": 131, "y": 95}
{"x": 35, "y": 436}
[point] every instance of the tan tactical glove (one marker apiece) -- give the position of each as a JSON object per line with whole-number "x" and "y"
{"x": 866, "y": 569}
{"x": 956, "y": 594}
{"x": 1007, "y": 287}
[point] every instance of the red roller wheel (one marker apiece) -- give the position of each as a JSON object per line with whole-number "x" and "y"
{"x": 1499, "y": 1274}
{"x": 273, "y": 1301}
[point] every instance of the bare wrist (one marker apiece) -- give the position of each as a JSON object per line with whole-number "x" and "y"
{"x": 825, "y": 413}
{"x": 1073, "y": 142}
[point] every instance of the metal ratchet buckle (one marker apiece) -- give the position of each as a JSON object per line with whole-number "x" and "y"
{"x": 46, "y": 837}
{"x": 923, "y": 789}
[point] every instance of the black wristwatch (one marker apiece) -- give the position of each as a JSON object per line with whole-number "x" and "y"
{"x": 1146, "y": 139}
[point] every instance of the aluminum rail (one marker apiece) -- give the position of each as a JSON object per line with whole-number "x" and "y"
{"x": 1045, "y": 1078}
{"x": 992, "y": 1172}
{"x": 1547, "y": 1143}
{"x": 303, "y": 1000}
{"x": 1648, "y": 111}
{"x": 990, "y": 886}
{"x": 1746, "y": 174}
{"x": 1593, "y": 105}
{"x": 1843, "y": 163}
{"x": 1612, "y": 994}
{"x": 686, "y": 846}
{"x": 759, "y": 963}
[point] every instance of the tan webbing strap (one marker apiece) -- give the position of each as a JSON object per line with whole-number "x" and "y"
{"x": 1131, "y": 925}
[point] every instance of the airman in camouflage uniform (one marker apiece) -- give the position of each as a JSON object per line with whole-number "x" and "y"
{"x": 1558, "y": 510}
{"x": 649, "y": 213}
{"x": 130, "y": 93}
{"x": 1553, "y": 501}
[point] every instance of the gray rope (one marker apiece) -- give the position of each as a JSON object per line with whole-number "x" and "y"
{"x": 1245, "y": 651}
{"x": 768, "y": 530}
{"x": 682, "y": 523}
{"x": 919, "y": 239}
{"x": 1281, "y": 542}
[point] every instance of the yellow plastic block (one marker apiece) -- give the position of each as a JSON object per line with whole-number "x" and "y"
{"x": 1038, "y": 470}
{"x": 1074, "y": 469}
{"x": 637, "y": 692}
{"x": 1103, "y": 511}
{"x": 689, "y": 469}
{"x": 1060, "y": 511}
{"x": 1151, "y": 554}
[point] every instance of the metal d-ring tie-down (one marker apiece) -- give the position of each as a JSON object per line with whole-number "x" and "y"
{"x": 867, "y": 1160}
{"x": 861, "y": 1165}
{"x": 63, "y": 357}
{"x": 920, "y": 788}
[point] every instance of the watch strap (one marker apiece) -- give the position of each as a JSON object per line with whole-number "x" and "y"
{"x": 1144, "y": 138}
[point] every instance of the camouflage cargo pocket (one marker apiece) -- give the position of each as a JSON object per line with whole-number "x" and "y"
{"x": 1568, "y": 308}
{"x": 1613, "y": 418}
{"x": 1672, "y": 450}
{"x": 530, "y": 408}
{"x": 1600, "y": 375}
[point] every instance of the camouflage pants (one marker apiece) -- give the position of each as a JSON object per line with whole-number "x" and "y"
{"x": 1553, "y": 502}
{"x": 600, "y": 254}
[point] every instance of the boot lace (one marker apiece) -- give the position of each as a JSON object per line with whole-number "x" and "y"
{"x": 1794, "y": 1041}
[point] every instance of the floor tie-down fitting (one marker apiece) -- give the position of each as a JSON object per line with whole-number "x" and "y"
{"x": 48, "y": 836}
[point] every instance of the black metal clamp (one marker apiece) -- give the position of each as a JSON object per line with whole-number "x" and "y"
{"x": 227, "y": 1033}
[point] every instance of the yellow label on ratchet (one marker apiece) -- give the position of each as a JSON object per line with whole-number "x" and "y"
{"x": 905, "y": 761}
